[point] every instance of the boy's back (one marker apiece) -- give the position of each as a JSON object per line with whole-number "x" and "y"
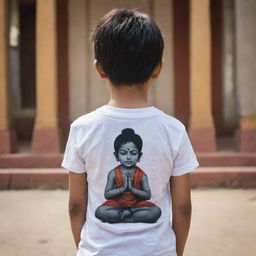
{"x": 129, "y": 156}
{"x": 128, "y": 150}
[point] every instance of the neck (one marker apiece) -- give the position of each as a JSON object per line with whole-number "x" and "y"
{"x": 135, "y": 96}
{"x": 128, "y": 169}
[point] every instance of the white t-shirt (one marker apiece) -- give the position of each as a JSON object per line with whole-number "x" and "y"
{"x": 128, "y": 214}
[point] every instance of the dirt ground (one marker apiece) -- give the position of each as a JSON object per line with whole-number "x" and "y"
{"x": 35, "y": 223}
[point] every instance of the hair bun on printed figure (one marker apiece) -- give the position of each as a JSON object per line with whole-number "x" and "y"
{"x": 128, "y": 135}
{"x": 128, "y": 132}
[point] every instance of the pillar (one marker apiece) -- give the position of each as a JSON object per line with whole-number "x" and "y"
{"x": 63, "y": 68}
{"x": 245, "y": 38}
{"x": 46, "y": 134}
{"x": 79, "y": 56}
{"x": 163, "y": 88}
{"x": 201, "y": 128}
{"x": 7, "y": 136}
{"x": 181, "y": 59}
{"x": 229, "y": 99}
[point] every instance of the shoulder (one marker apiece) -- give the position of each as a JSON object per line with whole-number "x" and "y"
{"x": 173, "y": 130}
{"x": 111, "y": 173}
{"x": 171, "y": 122}
{"x": 140, "y": 172}
{"x": 85, "y": 119}
{"x": 85, "y": 124}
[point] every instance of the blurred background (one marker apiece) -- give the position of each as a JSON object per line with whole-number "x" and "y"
{"x": 208, "y": 82}
{"x": 48, "y": 78}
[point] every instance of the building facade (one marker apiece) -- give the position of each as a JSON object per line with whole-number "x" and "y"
{"x": 47, "y": 78}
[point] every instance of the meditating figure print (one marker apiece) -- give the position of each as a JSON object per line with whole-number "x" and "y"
{"x": 127, "y": 187}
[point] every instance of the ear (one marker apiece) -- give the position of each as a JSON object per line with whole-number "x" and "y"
{"x": 157, "y": 70}
{"x": 116, "y": 157}
{"x": 99, "y": 69}
{"x": 140, "y": 156}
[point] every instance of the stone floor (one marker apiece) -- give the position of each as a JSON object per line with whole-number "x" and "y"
{"x": 35, "y": 223}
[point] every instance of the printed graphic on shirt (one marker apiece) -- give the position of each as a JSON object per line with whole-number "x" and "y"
{"x": 127, "y": 189}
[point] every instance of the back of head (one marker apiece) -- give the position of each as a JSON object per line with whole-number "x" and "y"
{"x": 128, "y": 45}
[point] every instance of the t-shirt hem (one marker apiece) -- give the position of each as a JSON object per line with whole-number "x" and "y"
{"x": 72, "y": 168}
{"x": 185, "y": 169}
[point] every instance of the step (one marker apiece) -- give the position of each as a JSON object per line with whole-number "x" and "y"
{"x": 53, "y": 178}
{"x": 30, "y": 160}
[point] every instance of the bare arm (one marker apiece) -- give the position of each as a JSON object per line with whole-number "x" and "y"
{"x": 145, "y": 192}
{"x": 110, "y": 190}
{"x": 181, "y": 209}
{"x": 78, "y": 198}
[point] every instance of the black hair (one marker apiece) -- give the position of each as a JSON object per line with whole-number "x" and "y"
{"x": 128, "y": 45}
{"x": 127, "y": 135}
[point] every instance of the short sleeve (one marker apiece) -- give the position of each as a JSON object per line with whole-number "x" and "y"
{"x": 72, "y": 159}
{"x": 185, "y": 160}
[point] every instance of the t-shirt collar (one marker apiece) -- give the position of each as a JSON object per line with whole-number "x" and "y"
{"x": 128, "y": 112}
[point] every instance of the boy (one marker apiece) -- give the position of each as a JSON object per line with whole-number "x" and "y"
{"x": 153, "y": 150}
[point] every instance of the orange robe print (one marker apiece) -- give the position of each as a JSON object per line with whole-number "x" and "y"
{"x": 128, "y": 199}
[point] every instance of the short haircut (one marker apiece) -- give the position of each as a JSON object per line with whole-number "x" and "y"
{"x": 128, "y": 45}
